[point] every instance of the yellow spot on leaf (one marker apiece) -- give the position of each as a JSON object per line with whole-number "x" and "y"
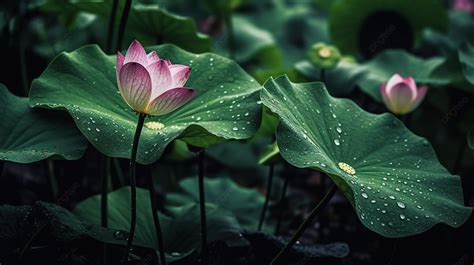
{"x": 154, "y": 125}
{"x": 346, "y": 168}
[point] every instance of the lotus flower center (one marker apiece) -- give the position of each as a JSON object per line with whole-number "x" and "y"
{"x": 154, "y": 125}
{"x": 324, "y": 52}
{"x": 346, "y": 168}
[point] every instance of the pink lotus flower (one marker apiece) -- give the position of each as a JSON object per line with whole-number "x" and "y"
{"x": 151, "y": 85}
{"x": 401, "y": 95}
{"x": 465, "y": 5}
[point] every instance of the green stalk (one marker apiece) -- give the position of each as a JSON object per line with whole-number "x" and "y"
{"x": 267, "y": 198}
{"x": 52, "y": 178}
{"x": 123, "y": 23}
{"x": 460, "y": 155}
{"x": 406, "y": 119}
{"x": 281, "y": 205}
{"x": 23, "y": 69}
{"x": 104, "y": 192}
{"x": 156, "y": 220}
{"x": 133, "y": 187}
{"x": 118, "y": 171}
{"x": 305, "y": 224}
{"x": 202, "y": 206}
{"x": 322, "y": 75}
{"x": 110, "y": 31}
{"x": 103, "y": 200}
{"x": 231, "y": 35}
{"x": 2, "y": 166}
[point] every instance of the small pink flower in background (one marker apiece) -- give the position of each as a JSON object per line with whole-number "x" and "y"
{"x": 465, "y": 5}
{"x": 151, "y": 85}
{"x": 401, "y": 95}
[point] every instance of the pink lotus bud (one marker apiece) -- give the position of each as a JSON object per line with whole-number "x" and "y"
{"x": 465, "y": 5}
{"x": 151, "y": 85}
{"x": 401, "y": 95}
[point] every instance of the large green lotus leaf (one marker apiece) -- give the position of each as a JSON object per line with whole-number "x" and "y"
{"x": 180, "y": 228}
{"x": 466, "y": 57}
{"x": 88, "y": 211}
{"x": 46, "y": 224}
{"x": 153, "y": 25}
{"x": 244, "y": 203}
{"x": 28, "y": 135}
{"x": 225, "y": 105}
{"x": 183, "y": 227}
{"x": 387, "y": 63}
{"x": 391, "y": 176}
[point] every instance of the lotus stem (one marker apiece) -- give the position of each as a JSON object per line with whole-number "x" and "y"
{"x": 406, "y": 119}
{"x": 52, "y": 178}
{"x": 322, "y": 75}
{"x": 271, "y": 169}
{"x": 156, "y": 220}
{"x": 104, "y": 192}
{"x": 281, "y": 204}
{"x": 133, "y": 187}
{"x": 104, "y": 200}
{"x": 305, "y": 224}
{"x": 118, "y": 171}
{"x": 202, "y": 206}
{"x": 460, "y": 155}
{"x": 110, "y": 32}
{"x": 123, "y": 23}
{"x": 231, "y": 35}
{"x": 23, "y": 67}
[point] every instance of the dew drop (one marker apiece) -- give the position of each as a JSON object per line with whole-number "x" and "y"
{"x": 401, "y": 205}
